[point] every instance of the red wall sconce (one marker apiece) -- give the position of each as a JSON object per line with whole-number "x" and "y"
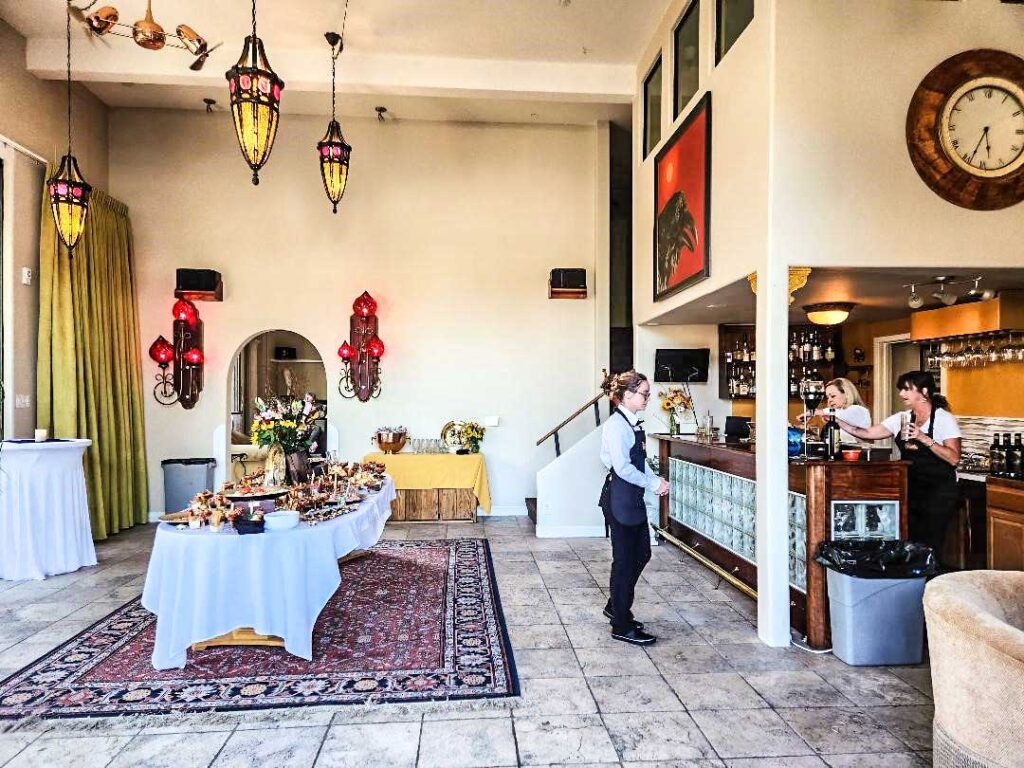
{"x": 184, "y": 383}
{"x": 361, "y": 372}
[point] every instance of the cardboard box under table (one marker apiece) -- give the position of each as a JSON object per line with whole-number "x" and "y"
{"x": 436, "y": 486}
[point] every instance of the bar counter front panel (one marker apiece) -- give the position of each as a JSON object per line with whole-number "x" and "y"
{"x": 711, "y": 508}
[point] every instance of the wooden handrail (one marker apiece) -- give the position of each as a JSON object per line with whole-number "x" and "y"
{"x": 590, "y": 403}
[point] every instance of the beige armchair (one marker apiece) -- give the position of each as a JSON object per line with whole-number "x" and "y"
{"x": 976, "y": 643}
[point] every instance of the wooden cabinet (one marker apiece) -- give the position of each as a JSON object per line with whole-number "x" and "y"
{"x": 434, "y": 504}
{"x": 1005, "y": 524}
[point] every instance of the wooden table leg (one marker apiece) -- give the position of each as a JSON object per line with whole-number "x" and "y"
{"x": 240, "y": 636}
{"x": 356, "y": 555}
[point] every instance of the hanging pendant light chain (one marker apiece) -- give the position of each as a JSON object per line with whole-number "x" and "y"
{"x": 334, "y": 60}
{"x": 69, "y": 77}
{"x": 254, "y": 20}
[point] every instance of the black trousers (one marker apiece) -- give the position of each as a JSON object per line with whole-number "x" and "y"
{"x": 631, "y": 551}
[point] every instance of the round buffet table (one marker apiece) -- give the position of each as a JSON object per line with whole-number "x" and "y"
{"x": 44, "y": 513}
{"x": 203, "y": 584}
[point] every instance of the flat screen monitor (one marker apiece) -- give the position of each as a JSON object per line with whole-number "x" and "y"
{"x": 673, "y": 366}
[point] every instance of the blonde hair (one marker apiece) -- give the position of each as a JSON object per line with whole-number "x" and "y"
{"x": 848, "y": 388}
{"x": 618, "y": 384}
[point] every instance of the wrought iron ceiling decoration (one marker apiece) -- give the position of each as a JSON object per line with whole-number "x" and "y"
{"x": 255, "y": 94}
{"x": 69, "y": 192}
{"x": 332, "y": 150}
{"x": 146, "y": 32}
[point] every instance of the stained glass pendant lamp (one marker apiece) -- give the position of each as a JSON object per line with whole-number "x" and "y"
{"x": 255, "y": 95}
{"x": 69, "y": 192}
{"x": 332, "y": 150}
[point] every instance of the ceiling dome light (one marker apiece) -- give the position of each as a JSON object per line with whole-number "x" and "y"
{"x": 829, "y": 313}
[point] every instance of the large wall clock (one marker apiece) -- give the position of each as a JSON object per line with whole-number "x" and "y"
{"x": 965, "y": 129}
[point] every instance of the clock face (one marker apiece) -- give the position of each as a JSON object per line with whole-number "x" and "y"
{"x": 982, "y": 127}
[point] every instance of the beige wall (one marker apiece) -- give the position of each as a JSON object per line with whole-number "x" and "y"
{"x": 846, "y": 192}
{"x": 33, "y": 113}
{"x": 740, "y": 148}
{"x": 452, "y": 228}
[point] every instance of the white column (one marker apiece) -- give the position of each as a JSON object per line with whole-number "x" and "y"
{"x": 772, "y": 461}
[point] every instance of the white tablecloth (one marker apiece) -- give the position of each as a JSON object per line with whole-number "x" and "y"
{"x": 44, "y": 513}
{"x": 202, "y": 584}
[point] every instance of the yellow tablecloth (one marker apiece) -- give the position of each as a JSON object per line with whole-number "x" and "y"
{"x": 421, "y": 471}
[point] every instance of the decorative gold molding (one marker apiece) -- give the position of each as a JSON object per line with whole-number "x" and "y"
{"x": 797, "y": 280}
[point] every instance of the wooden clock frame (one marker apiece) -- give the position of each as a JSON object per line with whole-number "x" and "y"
{"x": 947, "y": 179}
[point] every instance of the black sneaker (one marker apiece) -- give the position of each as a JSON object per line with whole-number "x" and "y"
{"x": 636, "y": 624}
{"x": 635, "y": 637}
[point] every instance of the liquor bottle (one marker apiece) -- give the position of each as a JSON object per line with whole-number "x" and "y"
{"x": 830, "y": 354}
{"x": 794, "y": 347}
{"x": 830, "y": 435}
{"x": 744, "y": 385}
{"x": 805, "y": 348}
{"x": 753, "y": 384}
{"x": 753, "y": 354}
{"x": 996, "y": 457}
{"x": 745, "y": 355}
{"x": 1015, "y": 459}
{"x": 794, "y": 384}
{"x": 815, "y": 349}
{"x": 728, "y": 356}
{"x": 1007, "y": 446}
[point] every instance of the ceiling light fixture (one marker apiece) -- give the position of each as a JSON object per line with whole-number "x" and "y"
{"x": 947, "y": 298}
{"x": 146, "y": 32}
{"x": 255, "y": 94}
{"x": 332, "y": 150}
{"x": 797, "y": 280}
{"x": 69, "y": 192}
{"x": 829, "y": 313}
{"x": 915, "y": 300}
{"x": 977, "y": 294}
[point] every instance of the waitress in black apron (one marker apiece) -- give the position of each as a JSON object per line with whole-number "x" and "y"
{"x": 929, "y": 438}
{"x": 624, "y": 453}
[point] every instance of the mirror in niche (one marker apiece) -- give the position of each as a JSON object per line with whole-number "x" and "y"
{"x": 279, "y": 364}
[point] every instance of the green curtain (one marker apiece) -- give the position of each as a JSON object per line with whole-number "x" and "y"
{"x": 89, "y": 381}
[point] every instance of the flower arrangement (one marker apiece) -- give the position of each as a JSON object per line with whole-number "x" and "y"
{"x": 677, "y": 402}
{"x": 284, "y": 424}
{"x": 472, "y": 435}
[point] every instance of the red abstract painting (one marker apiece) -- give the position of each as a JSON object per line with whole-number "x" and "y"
{"x": 682, "y": 203}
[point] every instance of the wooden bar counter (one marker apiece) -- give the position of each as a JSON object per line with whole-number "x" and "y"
{"x": 711, "y": 511}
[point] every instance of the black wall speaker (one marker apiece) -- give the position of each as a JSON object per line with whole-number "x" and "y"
{"x": 566, "y": 283}
{"x": 284, "y": 353}
{"x": 198, "y": 285}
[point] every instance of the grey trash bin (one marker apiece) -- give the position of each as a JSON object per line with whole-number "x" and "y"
{"x": 876, "y": 621}
{"x": 183, "y": 479}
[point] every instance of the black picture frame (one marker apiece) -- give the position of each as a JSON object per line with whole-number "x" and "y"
{"x": 656, "y": 69}
{"x": 702, "y": 108}
{"x": 690, "y": 12}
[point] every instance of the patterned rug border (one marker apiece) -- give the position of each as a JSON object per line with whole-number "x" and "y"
{"x": 13, "y": 721}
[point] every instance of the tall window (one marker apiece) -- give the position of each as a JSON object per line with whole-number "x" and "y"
{"x": 687, "y": 57}
{"x": 732, "y": 18}
{"x": 652, "y": 108}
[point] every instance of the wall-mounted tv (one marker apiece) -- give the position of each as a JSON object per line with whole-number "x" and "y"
{"x": 674, "y": 366}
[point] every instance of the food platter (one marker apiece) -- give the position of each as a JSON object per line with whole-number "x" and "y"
{"x": 256, "y": 494}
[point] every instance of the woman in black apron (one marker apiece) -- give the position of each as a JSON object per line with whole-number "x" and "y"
{"x": 928, "y": 437}
{"x": 624, "y": 453}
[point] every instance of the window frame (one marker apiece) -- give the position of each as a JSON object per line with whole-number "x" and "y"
{"x": 719, "y": 53}
{"x": 692, "y": 7}
{"x": 656, "y": 67}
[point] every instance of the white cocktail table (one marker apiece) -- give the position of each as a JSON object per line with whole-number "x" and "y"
{"x": 44, "y": 513}
{"x": 202, "y": 584}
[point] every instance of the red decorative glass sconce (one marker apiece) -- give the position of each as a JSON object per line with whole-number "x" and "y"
{"x": 185, "y": 382}
{"x": 361, "y": 372}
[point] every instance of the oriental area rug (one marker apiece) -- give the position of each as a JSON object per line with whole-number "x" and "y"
{"x": 412, "y": 621}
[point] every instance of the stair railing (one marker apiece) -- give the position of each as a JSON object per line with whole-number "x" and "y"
{"x": 592, "y": 403}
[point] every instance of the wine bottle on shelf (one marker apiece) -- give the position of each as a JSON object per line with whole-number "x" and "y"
{"x": 830, "y": 354}
{"x": 753, "y": 384}
{"x": 728, "y": 356}
{"x": 744, "y": 385}
{"x": 815, "y": 348}
{"x": 805, "y": 348}
{"x": 794, "y": 347}
{"x": 746, "y": 351}
{"x": 1015, "y": 459}
{"x": 794, "y": 385}
{"x": 996, "y": 457}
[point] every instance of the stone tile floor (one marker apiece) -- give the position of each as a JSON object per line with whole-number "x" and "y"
{"x": 708, "y": 694}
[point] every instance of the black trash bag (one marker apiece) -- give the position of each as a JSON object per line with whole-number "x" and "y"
{"x": 873, "y": 559}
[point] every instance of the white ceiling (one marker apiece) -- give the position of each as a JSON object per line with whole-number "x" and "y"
{"x": 562, "y": 61}
{"x": 878, "y": 293}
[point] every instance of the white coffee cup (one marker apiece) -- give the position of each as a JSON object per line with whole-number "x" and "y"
{"x": 40, "y": 436}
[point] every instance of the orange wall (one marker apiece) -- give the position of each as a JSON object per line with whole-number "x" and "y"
{"x": 994, "y": 390}
{"x": 746, "y": 408}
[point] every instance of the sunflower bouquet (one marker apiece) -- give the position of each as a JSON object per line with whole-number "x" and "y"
{"x": 472, "y": 435}
{"x": 677, "y": 402}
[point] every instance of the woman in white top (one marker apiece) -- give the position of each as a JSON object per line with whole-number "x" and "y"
{"x": 844, "y": 400}
{"x": 928, "y": 437}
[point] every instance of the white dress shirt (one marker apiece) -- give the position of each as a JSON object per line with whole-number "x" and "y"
{"x": 617, "y": 439}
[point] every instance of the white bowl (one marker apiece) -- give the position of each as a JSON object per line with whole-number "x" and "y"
{"x": 280, "y": 520}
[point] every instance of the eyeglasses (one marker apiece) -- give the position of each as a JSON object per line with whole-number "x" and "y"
{"x": 645, "y": 395}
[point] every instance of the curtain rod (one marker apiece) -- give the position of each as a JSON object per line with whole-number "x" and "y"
{"x": 23, "y": 150}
